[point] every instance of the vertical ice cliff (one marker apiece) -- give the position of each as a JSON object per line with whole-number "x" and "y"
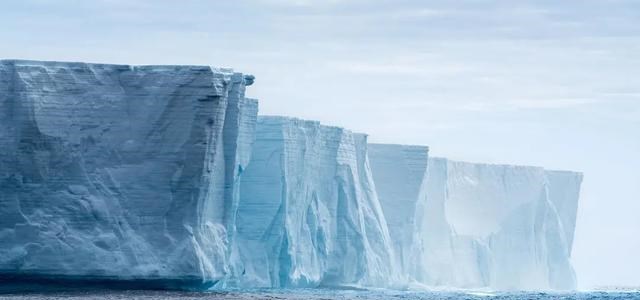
{"x": 114, "y": 172}
{"x": 465, "y": 225}
{"x": 399, "y": 172}
{"x": 563, "y": 190}
{"x": 164, "y": 177}
{"x": 498, "y": 226}
{"x": 309, "y": 214}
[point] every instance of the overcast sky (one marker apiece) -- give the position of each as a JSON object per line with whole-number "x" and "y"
{"x": 546, "y": 83}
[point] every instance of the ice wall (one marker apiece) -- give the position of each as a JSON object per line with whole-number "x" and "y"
{"x": 115, "y": 172}
{"x": 309, "y": 214}
{"x": 399, "y": 173}
{"x": 563, "y": 190}
{"x": 465, "y": 225}
{"x": 498, "y": 226}
{"x": 164, "y": 177}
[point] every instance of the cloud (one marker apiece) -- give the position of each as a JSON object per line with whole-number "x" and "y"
{"x": 302, "y": 3}
{"x": 550, "y": 103}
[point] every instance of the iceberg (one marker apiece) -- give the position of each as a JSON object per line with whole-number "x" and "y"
{"x": 309, "y": 214}
{"x": 121, "y": 173}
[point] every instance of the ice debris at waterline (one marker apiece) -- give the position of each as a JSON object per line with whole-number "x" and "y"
{"x": 164, "y": 177}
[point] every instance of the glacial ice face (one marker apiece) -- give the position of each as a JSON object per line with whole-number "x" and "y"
{"x": 399, "y": 172}
{"x": 152, "y": 174}
{"x": 498, "y": 226}
{"x": 465, "y": 225}
{"x": 120, "y": 172}
{"x": 563, "y": 189}
{"x": 309, "y": 214}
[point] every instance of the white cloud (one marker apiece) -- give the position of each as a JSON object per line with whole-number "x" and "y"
{"x": 550, "y": 103}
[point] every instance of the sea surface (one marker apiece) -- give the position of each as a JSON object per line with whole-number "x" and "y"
{"x": 313, "y": 294}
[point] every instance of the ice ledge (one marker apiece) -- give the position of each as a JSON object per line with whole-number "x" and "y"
{"x": 400, "y": 146}
{"x": 483, "y": 164}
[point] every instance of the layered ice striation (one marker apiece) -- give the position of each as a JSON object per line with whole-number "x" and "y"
{"x": 115, "y": 172}
{"x": 497, "y": 226}
{"x": 309, "y": 214}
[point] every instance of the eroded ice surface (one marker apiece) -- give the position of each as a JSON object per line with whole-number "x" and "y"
{"x": 309, "y": 214}
{"x": 120, "y": 172}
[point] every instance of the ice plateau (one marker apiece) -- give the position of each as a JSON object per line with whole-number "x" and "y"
{"x": 165, "y": 177}
{"x": 115, "y": 172}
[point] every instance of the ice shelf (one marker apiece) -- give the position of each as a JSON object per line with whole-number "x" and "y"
{"x": 165, "y": 177}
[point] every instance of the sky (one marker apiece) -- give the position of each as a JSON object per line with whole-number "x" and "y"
{"x": 546, "y": 83}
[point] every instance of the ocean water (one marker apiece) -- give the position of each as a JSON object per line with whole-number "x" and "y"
{"x": 313, "y": 294}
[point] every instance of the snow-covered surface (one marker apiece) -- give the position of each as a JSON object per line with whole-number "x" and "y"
{"x": 309, "y": 214}
{"x": 498, "y": 226}
{"x": 115, "y": 171}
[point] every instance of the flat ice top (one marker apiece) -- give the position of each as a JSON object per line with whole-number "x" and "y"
{"x": 275, "y": 119}
{"x": 396, "y": 147}
{"x": 504, "y": 165}
{"x": 58, "y": 64}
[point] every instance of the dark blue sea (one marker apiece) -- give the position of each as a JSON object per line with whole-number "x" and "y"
{"x": 314, "y": 294}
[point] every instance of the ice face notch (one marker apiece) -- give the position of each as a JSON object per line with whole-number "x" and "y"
{"x": 114, "y": 172}
{"x": 309, "y": 215}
